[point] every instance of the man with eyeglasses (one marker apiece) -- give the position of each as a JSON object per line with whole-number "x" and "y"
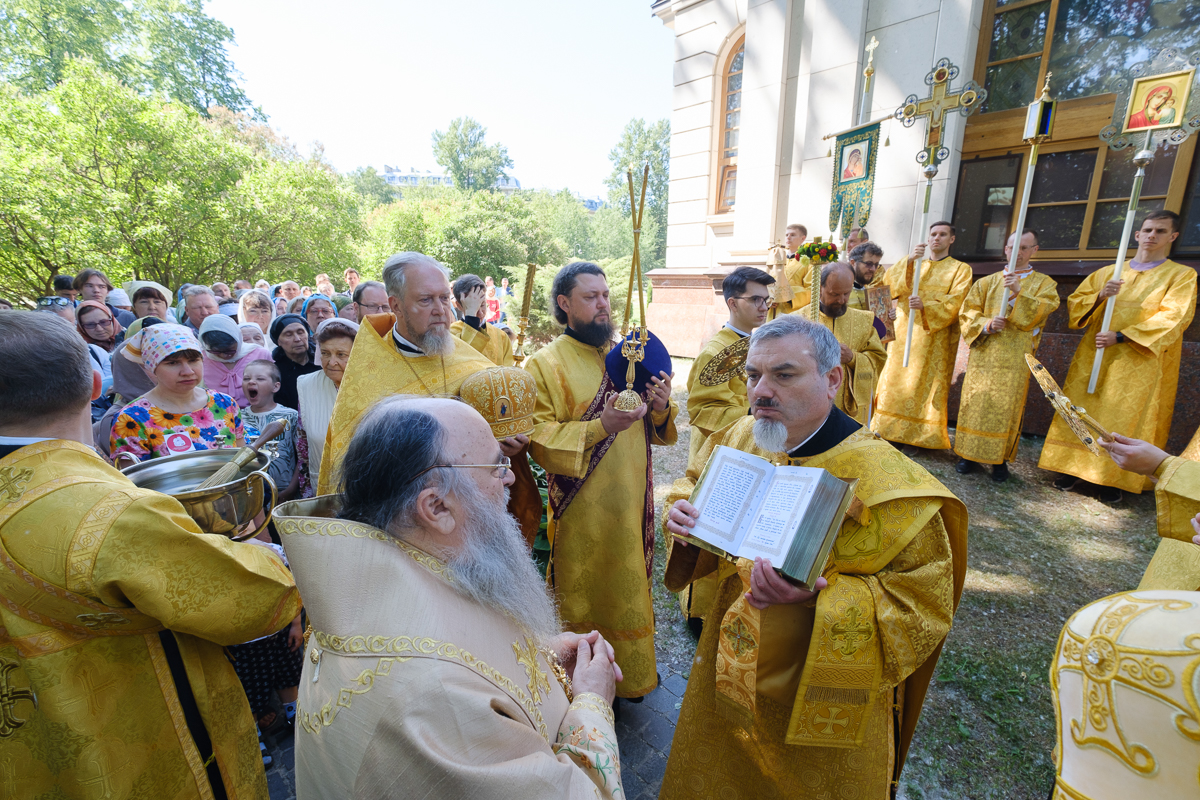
{"x": 370, "y": 297}
{"x": 864, "y": 260}
{"x": 715, "y": 401}
{"x": 470, "y": 295}
{"x": 407, "y": 351}
{"x": 996, "y": 382}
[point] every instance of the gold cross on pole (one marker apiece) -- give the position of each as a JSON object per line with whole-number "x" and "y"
{"x": 940, "y": 102}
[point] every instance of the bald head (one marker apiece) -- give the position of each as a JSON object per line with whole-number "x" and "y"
{"x": 837, "y": 282}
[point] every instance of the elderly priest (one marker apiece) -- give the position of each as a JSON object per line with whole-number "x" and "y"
{"x": 802, "y": 693}
{"x": 437, "y": 666}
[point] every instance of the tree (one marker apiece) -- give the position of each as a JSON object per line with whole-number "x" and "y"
{"x": 471, "y": 163}
{"x": 642, "y": 144}
{"x": 371, "y": 186}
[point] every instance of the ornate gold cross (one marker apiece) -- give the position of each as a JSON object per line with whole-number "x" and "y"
{"x": 835, "y": 718}
{"x": 740, "y": 637}
{"x": 9, "y": 722}
{"x": 527, "y": 658}
{"x": 853, "y": 633}
{"x": 940, "y": 102}
{"x": 13, "y": 482}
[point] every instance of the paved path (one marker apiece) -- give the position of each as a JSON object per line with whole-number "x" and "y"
{"x": 644, "y": 734}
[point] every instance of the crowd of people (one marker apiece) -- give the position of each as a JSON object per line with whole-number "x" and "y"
{"x": 437, "y": 661}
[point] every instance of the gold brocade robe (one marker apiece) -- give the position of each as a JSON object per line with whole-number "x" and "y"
{"x": 997, "y": 378}
{"x": 858, "y": 295}
{"x": 411, "y": 689}
{"x": 378, "y": 370}
{"x": 898, "y": 577}
{"x": 1135, "y": 394}
{"x": 93, "y": 569}
{"x": 597, "y": 564}
{"x": 856, "y": 330}
{"x": 710, "y": 408}
{"x": 1176, "y": 562}
{"x": 492, "y": 342}
{"x": 911, "y": 405}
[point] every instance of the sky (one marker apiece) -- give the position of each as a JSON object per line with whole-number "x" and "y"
{"x": 555, "y": 81}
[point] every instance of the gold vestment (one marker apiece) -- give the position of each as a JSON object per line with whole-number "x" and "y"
{"x": 858, "y": 294}
{"x": 492, "y": 342}
{"x": 93, "y": 570}
{"x": 1135, "y": 394}
{"x": 1176, "y": 562}
{"x": 412, "y": 689}
{"x": 378, "y": 370}
{"x": 598, "y": 567}
{"x": 997, "y": 378}
{"x": 814, "y": 685}
{"x": 911, "y": 405}
{"x": 856, "y": 330}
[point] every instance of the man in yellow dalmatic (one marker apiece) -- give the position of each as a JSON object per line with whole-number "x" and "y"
{"x": 714, "y": 403}
{"x": 493, "y": 343}
{"x": 597, "y": 459}
{"x": 1135, "y": 395}
{"x": 409, "y": 351}
{"x": 798, "y": 693}
{"x": 115, "y": 608}
{"x": 997, "y": 379}
{"x": 862, "y": 355}
{"x": 911, "y": 409}
{"x": 865, "y": 259}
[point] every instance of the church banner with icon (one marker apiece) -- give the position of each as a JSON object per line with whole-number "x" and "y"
{"x": 853, "y": 178}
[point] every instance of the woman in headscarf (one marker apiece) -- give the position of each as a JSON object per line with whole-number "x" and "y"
{"x": 255, "y": 306}
{"x": 317, "y": 393}
{"x": 150, "y": 299}
{"x": 98, "y": 325}
{"x": 317, "y": 309}
{"x": 226, "y": 356}
{"x": 252, "y": 334}
{"x": 178, "y": 415}
{"x": 295, "y": 354}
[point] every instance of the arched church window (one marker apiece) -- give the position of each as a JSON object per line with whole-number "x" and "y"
{"x": 731, "y": 122}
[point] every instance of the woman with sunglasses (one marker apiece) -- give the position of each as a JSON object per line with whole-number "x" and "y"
{"x": 226, "y": 355}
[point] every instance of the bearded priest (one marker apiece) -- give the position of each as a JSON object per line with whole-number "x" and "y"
{"x": 597, "y": 458}
{"x": 408, "y": 351}
{"x": 815, "y": 691}
{"x": 437, "y": 666}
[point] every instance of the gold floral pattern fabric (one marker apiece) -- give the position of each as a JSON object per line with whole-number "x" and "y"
{"x": 856, "y": 330}
{"x": 1135, "y": 393}
{"x": 911, "y": 408}
{"x": 711, "y": 408}
{"x": 996, "y": 383}
{"x": 1176, "y": 562}
{"x": 491, "y": 342}
{"x": 116, "y": 564}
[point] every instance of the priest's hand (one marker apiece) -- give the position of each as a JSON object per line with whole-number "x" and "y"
{"x": 997, "y": 324}
{"x": 566, "y": 645}
{"x": 594, "y": 672}
{"x": 513, "y": 444}
{"x": 915, "y": 302}
{"x": 1110, "y": 289}
{"x": 681, "y": 519}
{"x": 1012, "y": 282}
{"x": 847, "y": 354}
{"x": 769, "y": 588}
{"x": 660, "y": 391}
{"x": 1196, "y": 528}
{"x": 1134, "y": 455}
{"x": 472, "y": 301}
{"x": 1106, "y": 340}
{"x": 615, "y": 421}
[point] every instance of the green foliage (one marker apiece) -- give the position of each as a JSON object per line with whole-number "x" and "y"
{"x": 371, "y": 186}
{"x": 168, "y": 47}
{"x": 473, "y": 164}
{"x": 92, "y": 174}
{"x": 642, "y": 144}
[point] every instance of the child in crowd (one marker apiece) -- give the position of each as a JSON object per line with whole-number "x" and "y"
{"x": 260, "y": 381}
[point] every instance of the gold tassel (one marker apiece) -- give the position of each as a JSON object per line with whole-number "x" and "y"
{"x": 829, "y": 153}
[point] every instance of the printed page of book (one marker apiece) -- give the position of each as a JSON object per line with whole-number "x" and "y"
{"x": 727, "y": 495}
{"x": 784, "y": 504}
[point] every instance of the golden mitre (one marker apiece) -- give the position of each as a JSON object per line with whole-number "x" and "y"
{"x": 505, "y": 396}
{"x": 1125, "y": 689}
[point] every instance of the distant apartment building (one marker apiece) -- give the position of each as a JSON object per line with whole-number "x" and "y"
{"x": 400, "y": 178}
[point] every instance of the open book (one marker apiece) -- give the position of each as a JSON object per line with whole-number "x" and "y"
{"x": 750, "y": 508}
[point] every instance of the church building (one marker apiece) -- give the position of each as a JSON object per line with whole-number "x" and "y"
{"x": 758, "y": 84}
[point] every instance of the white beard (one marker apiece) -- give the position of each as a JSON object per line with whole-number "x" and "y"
{"x": 771, "y": 435}
{"x": 436, "y": 342}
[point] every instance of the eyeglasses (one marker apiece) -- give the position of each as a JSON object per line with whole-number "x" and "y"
{"x": 498, "y": 470}
{"x": 61, "y": 302}
{"x": 370, "y": 309}
{"x": 759, "y": 301}
{"x": 874, "y": 264}
{"x": 97, "y": 326}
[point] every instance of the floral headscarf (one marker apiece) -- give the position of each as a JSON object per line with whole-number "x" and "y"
{"x": 150, "y": 346}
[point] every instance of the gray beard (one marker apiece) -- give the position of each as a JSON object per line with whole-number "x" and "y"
{"x": 771, "y": 435}
{"x": 494, "y": 567}
{"x": 436, "y": 342}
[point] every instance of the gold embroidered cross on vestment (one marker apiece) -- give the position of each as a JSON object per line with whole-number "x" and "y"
{"x": 740, "y": 637}
{"x": 13, "y": 482}
{"x": 834, "y": 718}
{"x": 9, "y": 722}
{"x": 851, "y": 634}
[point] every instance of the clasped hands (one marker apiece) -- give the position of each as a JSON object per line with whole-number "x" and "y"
{"x": 615, "y": 421}
{"x": 767, "y": 587}
{"x": 590, "y": 663}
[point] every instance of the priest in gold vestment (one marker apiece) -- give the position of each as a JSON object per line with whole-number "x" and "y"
{"x": 114, "y": 608}
{"x": 713, "y": 403}
{"x": 797, "y": 693}
{"x": 996, "y": 382}
{"x": 862, "y": 355}
{"x": 1135, "y": 394}
{"x": 597, "y": 458}
{"x": 437, "y": 667}
{"x": 911, "y": 408}
{"x": 865, "y": 259}
{"x": 409, "y": 351}
{"x": 469, "y": 299}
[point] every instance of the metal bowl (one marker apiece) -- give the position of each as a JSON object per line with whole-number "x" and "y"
{"x": 228, "y": 509}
